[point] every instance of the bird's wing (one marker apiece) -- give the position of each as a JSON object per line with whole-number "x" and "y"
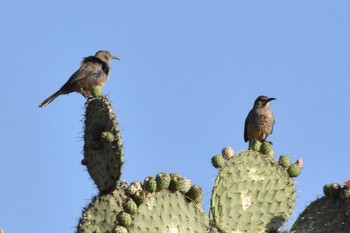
{"x": 245, "y": 128}
{"x": 86, "y": 70}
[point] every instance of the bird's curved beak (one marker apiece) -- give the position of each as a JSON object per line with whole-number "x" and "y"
{"x": 270, "y": 99}
{"x": 114, "y": 57}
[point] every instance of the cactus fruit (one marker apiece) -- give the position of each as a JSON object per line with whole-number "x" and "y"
{"x": 294, "y": 170}
{"x": 195, "y": 194}
{"x": 252, "y": 193}
{"x": 139, "y": 197}
{"x": 124, "y": 219}
{"x": 100, "y": 215}
{"x": 133, "y": 188}
{"x": 178, "y": 183}
{"x": 119, "y": 229}
{"x": 332, "y": 190}
{"x": 284, "y": 161}
{"x": 107, "y": 136}
{"x": 227, "y": 152}
{"x": 327, "y": 214}
{"x": 255, "y": 145}
{"x": 183, "y": 185}
{"x": 130, "y": 206}
{"x": 103, "y": 152}
{"x": 96, "y": 91}
{"x": 266, "y": 149}
{"x": 218, "y": 161}
{"x": 163, "y": 180}
{"x": 150, "y": 184}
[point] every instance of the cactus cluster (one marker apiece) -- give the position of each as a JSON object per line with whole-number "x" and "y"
{"x": 148, "y": 206}
{"x": 252, "y": 192}
{"x": 327, "y": 214}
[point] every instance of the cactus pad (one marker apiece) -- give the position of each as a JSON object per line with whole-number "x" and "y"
{"x": 103, "y": 153}
{"x": 100, "y": 215}
{"x": 252, "y": 193}
{"x": 325, "y": 215}
{"x": 167, "y": 212}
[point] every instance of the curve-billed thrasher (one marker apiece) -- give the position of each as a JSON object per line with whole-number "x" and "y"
{"x": 259, "y": 122}
{"x": 93, "y": 71}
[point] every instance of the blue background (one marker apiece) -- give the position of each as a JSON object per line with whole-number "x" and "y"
{"x": 188, "y": 76}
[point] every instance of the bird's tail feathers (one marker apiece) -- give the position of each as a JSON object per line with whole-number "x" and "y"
{"x": 51, "y": 98}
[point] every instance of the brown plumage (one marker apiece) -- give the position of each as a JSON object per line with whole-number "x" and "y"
{"x": 94, "y": 71}
{"x": 260, "y": 121}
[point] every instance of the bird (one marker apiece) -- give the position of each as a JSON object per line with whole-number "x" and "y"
{"x": 260, "y": 121}
{"x": 93, "y": 72}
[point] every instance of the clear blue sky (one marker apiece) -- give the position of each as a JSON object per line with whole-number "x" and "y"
{"x": 188, "y": 75}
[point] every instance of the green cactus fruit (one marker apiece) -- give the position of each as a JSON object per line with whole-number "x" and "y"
{"x": 195, "y": 194}
{"x": 324, "y": 215}
{"x": 255, "y": 145}
{"x": 218, "y": 161}
{"x": 284, "y": 161}
{"x": 167, "y": 212}
{"x": 178, "y": 183}
{"x": 252, "y": 193}
{"x": 266, "y": 149}
{"x": 150, "y": 184}
{"x": 139, "y": 197}
{"x": 124, "y": 219}
{"x": 102, "y": 158}
{"x": 294, "y": 170}
{"x": 133, "y": 188}
{"x": 119, "y": 229}
{"x": 332, "y": 190}
{"x": 172, "y": 175}
{"x": 163, "y": 180}
{"x": 107, "y": 136}
{"x": 174, "y": 178}
{"x": 96, "y": 91}
{"x": 183, "y": 185}
{"x": 326, "y": 189}
{"x": 227, "y": 152}
{"x": 130, "y": 206}
{"x": 100, "y": 214}
{"x": 346, "y": 194}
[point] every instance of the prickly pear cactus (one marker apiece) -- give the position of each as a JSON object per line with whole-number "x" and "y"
{"x": 143, "y": 207}
{"x": 328, "y": 214}
{"x": 103, "y": 151}
{"x": 100, "y": 215}
{"x": 167, "y": 212}
{"x": 164, "y": 210}
{"x": 252, "y": 193}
